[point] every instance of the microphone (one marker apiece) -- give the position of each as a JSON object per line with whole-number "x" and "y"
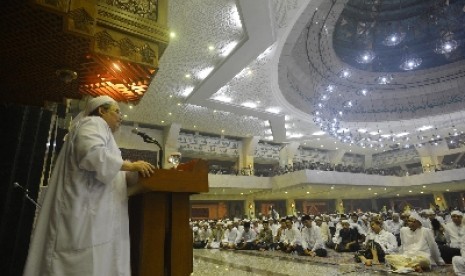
{"x": 141, "y": 134}
{"x": 26, "y": 194}
{"x": 151, "y": 140}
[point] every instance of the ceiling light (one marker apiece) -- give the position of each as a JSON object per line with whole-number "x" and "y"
{"x": 345, "y": 73}
{"x": 410, "y": 63}
{"x": 362, "y": 92}
{"x": 446, "y": 45}
{"x": 423, "y": 128}
{"x": 394, "y": 39}
{"x": 402, "y": 134}
{"x": 330, "y": 88}
{"x": 202, "y": 74}
{"x": 235, "y": 17}
{"x": 365, "y": 57}
{"x": 318, "y": 133}
{"x": 249, "y": 104}
{"x": 223, "y": 98}
{"x": 226, "y": 50}
{"x": 172, "y": 34}
{"x": 187, "y": 91}
{"x": 324, "y": 97}
{"x": 211, "y": 48}
{"x": 347, "y": 104}
{"x": 274, "y": 110}
{"x": 385, "y": 79}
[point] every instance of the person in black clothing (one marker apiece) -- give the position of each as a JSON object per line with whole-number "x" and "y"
{"x": 347, "y": 238}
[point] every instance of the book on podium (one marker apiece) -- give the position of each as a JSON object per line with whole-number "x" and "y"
{"x": 161, "y": 238}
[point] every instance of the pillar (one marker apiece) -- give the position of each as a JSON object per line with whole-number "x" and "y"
{"x": 246, "y": 159}
{"x": 287, "y": 153}
{"x": 249, "y": 207}
{"x": 440, "y": 201}
{"x": 339, "y": 206}
{"x": 368, "y": 161}
{"x": 290, "y": 207}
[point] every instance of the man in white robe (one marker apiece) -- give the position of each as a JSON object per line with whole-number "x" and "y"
{"x": 454, "y": 231}
{"x": 458, "y": 262}
{"x": 82, "y": 228}
{"x": 418, "y": 250}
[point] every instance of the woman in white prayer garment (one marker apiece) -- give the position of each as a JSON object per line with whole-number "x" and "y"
{"x": 83, "y": 228}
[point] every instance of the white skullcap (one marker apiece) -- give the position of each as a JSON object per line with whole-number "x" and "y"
{"x": 415, "y": 216}
{"x": 457, "y": 213}
{"x": 91, "y": 105}
{"x": 317, "y": 218}
{"x": 195, "y": 229}
{"x": 345, "y": 221}
{"x": 96, "y": 102}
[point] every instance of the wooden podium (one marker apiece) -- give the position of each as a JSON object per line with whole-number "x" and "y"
{"x": 161, "y": 239}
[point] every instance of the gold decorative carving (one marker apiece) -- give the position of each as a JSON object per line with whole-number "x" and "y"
{"x": 123, "y": 46}
{"x": 81, "y": 18}
{"x": 126, "y": 22}
{"x": 141, "y": 8}
{"x": 126, "y": 39}
{"x": 61, "y": 6}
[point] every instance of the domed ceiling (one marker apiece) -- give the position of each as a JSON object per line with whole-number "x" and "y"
{"x": 378, "y": 73}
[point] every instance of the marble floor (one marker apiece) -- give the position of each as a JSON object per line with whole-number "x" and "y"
{"x": 242, "y": 263}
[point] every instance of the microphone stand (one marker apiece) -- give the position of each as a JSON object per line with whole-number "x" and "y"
{"x": 26, "y": 194}
{"x": 150, "y": 140}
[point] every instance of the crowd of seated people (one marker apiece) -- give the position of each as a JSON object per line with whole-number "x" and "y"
{"x": 408, "y": 242}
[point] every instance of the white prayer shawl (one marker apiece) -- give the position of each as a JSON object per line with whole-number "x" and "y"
{"x": 83, "y": 227}
{"x": 420, "y": 243}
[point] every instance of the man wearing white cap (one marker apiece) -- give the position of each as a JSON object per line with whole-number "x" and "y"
{"x": 418, "y": 250}
{"x": 83, "y": 227}
{"x": 454, "y": 230}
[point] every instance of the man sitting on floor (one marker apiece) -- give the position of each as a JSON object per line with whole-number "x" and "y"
{"x": 265, "y": 237}
{"x": 418, "y": 250}
{"x": 246, "y": 239}
{"x": 312, "y": 243}
{"x": 458, "y": 262}
{"x": 216, "y": 236}
{"x": 230, "y": 236}
{"x": 378, "y": 243}
{"x": 346, "y": 239}
{"x": 292, "y": 238}
{"x": 454, "y": 230}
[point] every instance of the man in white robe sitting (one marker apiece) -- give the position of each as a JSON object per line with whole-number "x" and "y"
{"x": 418, "y": 251}
{"x": 312, "y": 242}
{"x": 454, "y": 231}
{"x": 458, "y": 262}
{"x": 292, "y": 238}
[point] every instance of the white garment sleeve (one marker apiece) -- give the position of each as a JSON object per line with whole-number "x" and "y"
{"x": 93, "y": 150}
{"x": 435, "y": 254}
